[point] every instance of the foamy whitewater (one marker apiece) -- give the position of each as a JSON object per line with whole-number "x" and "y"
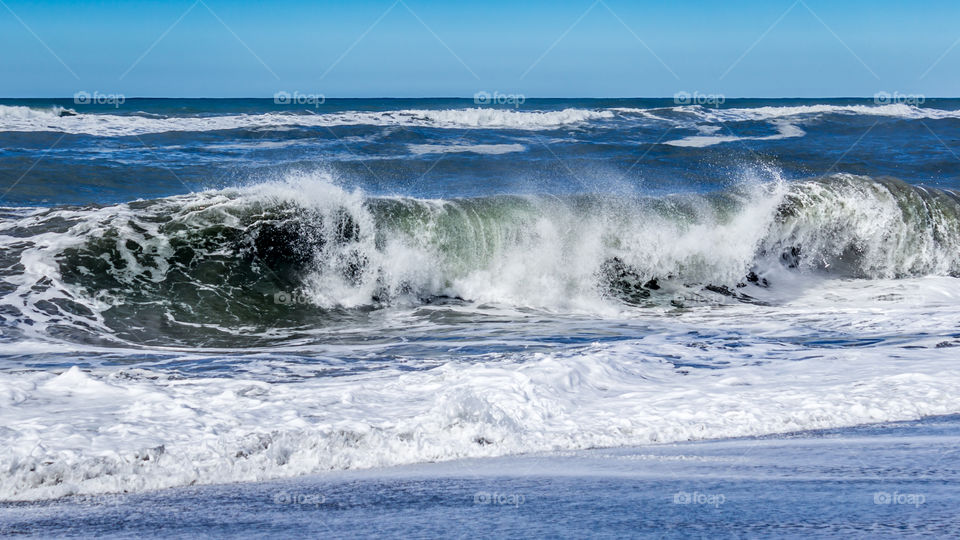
{"x": 249, "y": 293}
{"x": 18, "y": 118}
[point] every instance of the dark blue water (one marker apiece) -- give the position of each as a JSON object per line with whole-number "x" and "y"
{"x": 625, "y": 151}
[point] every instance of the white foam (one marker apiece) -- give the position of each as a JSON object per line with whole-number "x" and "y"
{"x": 784, "y": 131}
{"x": 895, "y": 110}
{"x": 491, "y": 149}
{"x": 25, "y": 119}
{"x": 791, "y": 113}
{"x": 866, "y": 228}
{"x": 19, "y": 118}
{"x": 108, "y": 430}
{"x": 14, "y": 113}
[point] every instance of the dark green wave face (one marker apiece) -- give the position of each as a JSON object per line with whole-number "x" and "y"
{"x": 275, "y": 262}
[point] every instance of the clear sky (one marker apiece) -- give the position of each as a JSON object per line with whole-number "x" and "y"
{"x": 602, "y": 48}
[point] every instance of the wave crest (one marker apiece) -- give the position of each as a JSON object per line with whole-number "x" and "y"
{"x": 112, "y": 125}
{"x": 219, "y": 259}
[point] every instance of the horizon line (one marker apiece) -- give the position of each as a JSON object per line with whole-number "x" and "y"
{"x": 473, "y": 97}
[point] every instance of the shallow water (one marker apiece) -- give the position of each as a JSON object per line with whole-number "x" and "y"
{"x": 878, "y": 481}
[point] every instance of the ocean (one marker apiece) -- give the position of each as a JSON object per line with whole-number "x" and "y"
{"x": 205, "y": 292}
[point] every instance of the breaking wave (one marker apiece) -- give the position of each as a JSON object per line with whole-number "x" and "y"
{"x": 739, "y": 114}
{"x": 233, "y": 268}
{"x": 18, "y": 118}
{"x": 236, "y": 258}
{"x": 59, "y": 119}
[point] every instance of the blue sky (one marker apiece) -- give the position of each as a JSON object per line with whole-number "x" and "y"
{"x": 615, "y": 48}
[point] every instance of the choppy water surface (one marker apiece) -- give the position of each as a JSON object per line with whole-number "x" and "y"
{"x": 200, "y": 291}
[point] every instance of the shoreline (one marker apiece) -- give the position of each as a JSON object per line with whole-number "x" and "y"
{"x": 874, "y": 480}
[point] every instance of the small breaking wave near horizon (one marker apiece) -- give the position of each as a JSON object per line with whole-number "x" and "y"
{"x": 101, "y": 121}
{"x": 19, "y": 118}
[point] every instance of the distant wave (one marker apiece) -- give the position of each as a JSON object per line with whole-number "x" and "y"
{"x": 896, "y": 110}
{"x": 28, "y": 119}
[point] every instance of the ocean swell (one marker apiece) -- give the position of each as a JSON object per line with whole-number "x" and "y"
{"x": 18, "y": 118}
{"x": 278, "y": 251}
